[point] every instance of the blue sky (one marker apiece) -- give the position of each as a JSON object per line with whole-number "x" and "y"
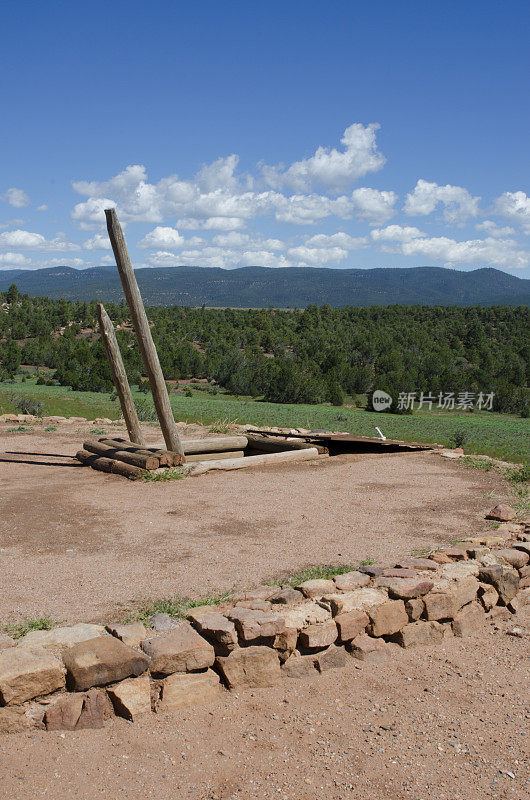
{"x": 338, "y": 134}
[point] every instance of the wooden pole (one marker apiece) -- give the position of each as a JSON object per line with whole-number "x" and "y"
{"x": 109, "y": 465}
{"x": 143, "y": 333}
{"x": 119, "y": 376}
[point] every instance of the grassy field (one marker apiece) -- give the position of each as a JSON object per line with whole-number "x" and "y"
{"x": 500, "y": 435}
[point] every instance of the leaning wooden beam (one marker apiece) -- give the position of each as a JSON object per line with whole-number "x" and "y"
{"x": 119, "y": 376}
{"x": 143, "y": 333}
{"x": 254, "y": 461}
{"x": 109, "y": 465}
{"x": 143, "y": 460}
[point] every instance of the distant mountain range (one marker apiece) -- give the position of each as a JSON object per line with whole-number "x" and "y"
{"x": 293, "y": 287}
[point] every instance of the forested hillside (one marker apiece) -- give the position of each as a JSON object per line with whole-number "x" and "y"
{"x": 316, "y": 355}
{"x": 292, "y": 287}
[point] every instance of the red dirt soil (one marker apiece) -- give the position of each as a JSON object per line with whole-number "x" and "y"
{"x": 80, "y": 545}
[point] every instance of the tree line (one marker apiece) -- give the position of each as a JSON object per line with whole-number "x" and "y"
{"x": 318, "y": 354}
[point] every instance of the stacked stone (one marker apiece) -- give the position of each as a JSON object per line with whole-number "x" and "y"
{"x": 76, "y": 677}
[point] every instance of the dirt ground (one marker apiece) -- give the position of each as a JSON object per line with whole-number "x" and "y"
{"x": 79, "y": 545}
{"x": 449, "y": 722}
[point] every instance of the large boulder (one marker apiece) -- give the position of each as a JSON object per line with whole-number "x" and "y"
{"x": 420, "y": 634}
{"x": 387, "y": 618}
{"x": 179, "y": 650}
{"x": 131, "y": 634}
{"x": 216, "y": 628}
{"x": 253, "y": 624}
{"x": 100, "y": 661}
{"x": 351, "y": 580}
{"x": 321, "y": 634}
{"x": 469, "y": 620}
{"x": 405, "y": 588}
{"x": 316, "y": 587}
{"x": 503, "y": 579}
{"x": 132, "y": 697}
{"x": 27, "y": 673}
{"x": 365, "y": 648}
{"x": 188, "y": 689}
{"x": 62, "y": 638}
{"x": 351, "y": 624}
{"x": 250, "y": 667}
{"x": 502, "y": 513}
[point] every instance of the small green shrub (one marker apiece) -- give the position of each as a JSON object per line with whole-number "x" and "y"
{"x": 459, "y": 437}
{"x": 28, "y": 405}
{"x": 145, "y": 410}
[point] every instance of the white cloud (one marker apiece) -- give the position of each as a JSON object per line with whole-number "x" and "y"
{"x": 329, "y": 167}
{"x": 159, "y": 237}
{"x": 91, "y": 214}
{"x": 457, "y": 202}
{"x": 43, "y": 207}
{"x": 515, "y": 207}
{"x": 492, "y": 229}
{"x": 486, "y": 252}
{"x": 372, "y": 206}
{"x": 396, "y": 233}
{"x": 14, "y": 260}
{"x": 99, "y": 241}
{"x": 27, "y": 240}
{"x": 326, "y": 249}
{"x": 16, "y": 198}
{"x": 211, "y": 224}
{"x": 60, "y": 262}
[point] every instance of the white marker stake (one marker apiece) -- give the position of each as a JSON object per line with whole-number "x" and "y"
{"x": 381, "y": 434}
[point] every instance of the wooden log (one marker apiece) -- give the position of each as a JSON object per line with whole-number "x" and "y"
{"x": 207, "y": 445}
{"x": 214, "y": 444}
{"x": 143, "y": 460}
{"x": 143, "y": 333}
{"x": 119, "y": 376}
{"x": 109, "y": 465}
{"x": 255, "y": 461}
{"x": 266, "y": 444}
{"x": 191, "y": 459}
{"x": 166, "y": 458}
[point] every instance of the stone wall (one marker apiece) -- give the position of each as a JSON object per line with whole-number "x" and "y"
{"x": 77, "y": 677}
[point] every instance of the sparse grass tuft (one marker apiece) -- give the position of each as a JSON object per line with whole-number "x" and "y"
{"x": 98, "y": 432}
{"x": 366, "y": 563}
{"x": 19, "y": 629}
{"x": 177, "y": 606}
{"x": 222, "y": 425}
{"x": 174, "y": 474}
{"x": 326, "y": 571}
{"x": 20, "y": 429}
{"x": 477, "y": 463}
{"x": 518, "y": 475}
{"x": 50, "y": 428}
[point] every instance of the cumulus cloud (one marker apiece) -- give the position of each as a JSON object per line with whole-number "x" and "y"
{"x": 27, "y": 240}
{"x": 329, "y": 167}
{"x": 326, "y": 249}
{"x": 43, "y": 207}
{"x": 160, "y": 237}
{"x": 486, "y": 252}
{"x": 515, "y": 207}
{"x": 99, "y": 241}
{"x": 458, "y": 204}
{"x": 492, "y": 229}
{"x": 14, "y": 260}
{"x": 16, "y": 198}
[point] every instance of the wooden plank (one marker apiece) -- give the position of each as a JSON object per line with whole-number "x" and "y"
{"x": 255, "y": 461}
{"x": 191, "y": 459}
{"x": 119, "y": 376}
{"x": 143, "y": 333}
{"x": 109, "y": 465}
{"x": 143, "y": 460}
{"x": 326, "y": 436}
